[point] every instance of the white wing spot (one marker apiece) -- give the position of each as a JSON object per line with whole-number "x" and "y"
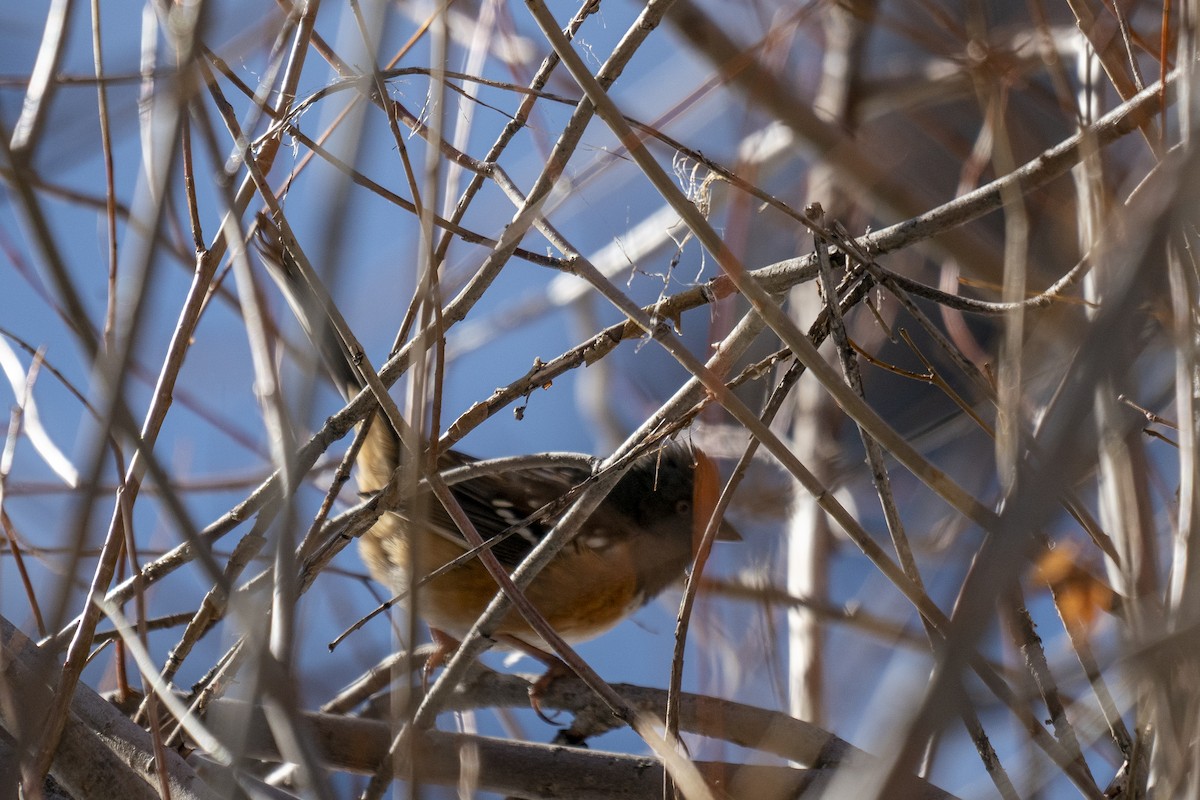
{"x": 597, "y": 541}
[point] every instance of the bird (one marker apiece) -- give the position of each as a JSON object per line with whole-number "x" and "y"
{"x": 639, "y": 540}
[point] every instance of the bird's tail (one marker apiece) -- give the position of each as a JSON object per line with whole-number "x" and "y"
{"x": 282, "y": 266}
{"x": 380, "y": 453}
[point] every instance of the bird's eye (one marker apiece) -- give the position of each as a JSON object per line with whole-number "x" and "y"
{"x": 682, "y": 507}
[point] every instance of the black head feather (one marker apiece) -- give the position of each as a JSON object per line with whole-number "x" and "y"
{"x": 658, "y": 487}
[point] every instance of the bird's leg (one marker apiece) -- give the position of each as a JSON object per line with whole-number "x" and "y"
{"x": 555, "y": 669}
{"x": 443, "y": 645}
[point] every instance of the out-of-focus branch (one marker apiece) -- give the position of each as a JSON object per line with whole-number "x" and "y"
{"x": 102, "y": 755}
{"x": 537, "y": 771}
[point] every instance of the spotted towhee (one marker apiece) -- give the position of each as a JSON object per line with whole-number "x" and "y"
{"x": 636, "y": 543}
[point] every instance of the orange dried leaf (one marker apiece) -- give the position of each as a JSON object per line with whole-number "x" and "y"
{"x": 1079, "y": 594}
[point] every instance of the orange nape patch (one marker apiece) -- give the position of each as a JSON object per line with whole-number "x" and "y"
{"x": 706, "y": 490}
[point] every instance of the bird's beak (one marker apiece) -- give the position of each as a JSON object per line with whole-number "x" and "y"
{"x": 728, "y": 533}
